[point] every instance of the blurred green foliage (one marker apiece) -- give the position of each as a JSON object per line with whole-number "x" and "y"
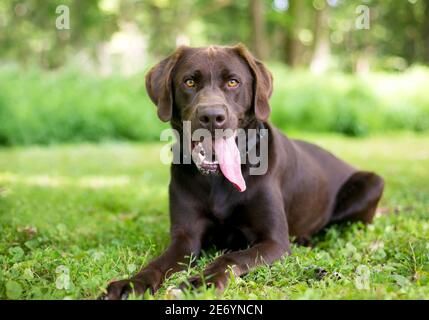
{"x": 350, "y": 104}
{"x": 289, "y": 30}
{"x": 54, "y": 86}
{"x": 70, "y": 106}
{"x": 39, "y": 107}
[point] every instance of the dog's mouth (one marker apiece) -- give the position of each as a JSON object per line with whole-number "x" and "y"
{"x": 205, "y": 159}
{"x": 219, "y": 156}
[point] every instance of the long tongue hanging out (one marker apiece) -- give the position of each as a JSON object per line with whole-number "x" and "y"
{"x": 230, "y": 161}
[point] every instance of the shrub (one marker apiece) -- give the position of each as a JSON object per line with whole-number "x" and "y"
{"x": 70, "y": 106}
{"x": 351, "y": 104}
{"x": 39, "y": 107}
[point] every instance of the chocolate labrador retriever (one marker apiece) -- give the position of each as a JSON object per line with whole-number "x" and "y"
{"x": 221, "y": 203}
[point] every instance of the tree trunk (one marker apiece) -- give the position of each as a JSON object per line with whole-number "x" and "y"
{"x": 292, "y": 44}
{"x": 322, "y": 48}
{"x": 425, "y": 32}
{"x": 259, "y": 43}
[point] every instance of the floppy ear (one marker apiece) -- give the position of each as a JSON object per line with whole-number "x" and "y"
{"x": 159, "y": 85}
{"x": 263, "y": 85}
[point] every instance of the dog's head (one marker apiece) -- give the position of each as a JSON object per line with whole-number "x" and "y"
{"x": 214, "y": 88}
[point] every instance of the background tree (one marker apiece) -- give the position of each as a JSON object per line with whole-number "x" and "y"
{"x": 318, "y": 33}
{"x": 259, "y": 37}
{"x": 322, "y": 45}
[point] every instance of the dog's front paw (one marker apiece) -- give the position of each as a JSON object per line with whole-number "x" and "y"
{"x": 219, "y": 279}
{"x": 120, "y": 290}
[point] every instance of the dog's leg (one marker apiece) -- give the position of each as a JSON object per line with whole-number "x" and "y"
{"x": 238, "y": 262}
{"x": 187, "y": 228}
{"x": 358, "y": 198}
{"x": 175, "y": 258}
{"x": 273, "y": 244}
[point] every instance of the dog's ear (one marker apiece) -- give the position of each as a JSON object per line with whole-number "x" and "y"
{"x": 159, "y": 84}
{"x": 263, "y": 85}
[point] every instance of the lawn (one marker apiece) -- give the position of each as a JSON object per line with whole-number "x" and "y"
{"x": 73, "y": 217}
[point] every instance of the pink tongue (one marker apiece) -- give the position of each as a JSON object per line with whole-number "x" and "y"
{"x": 229, "y": 161}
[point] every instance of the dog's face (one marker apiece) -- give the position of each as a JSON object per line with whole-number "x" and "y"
{"x": 212, "y": 88}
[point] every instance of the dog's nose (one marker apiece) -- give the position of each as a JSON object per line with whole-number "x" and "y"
{"x": 213, "y": 117}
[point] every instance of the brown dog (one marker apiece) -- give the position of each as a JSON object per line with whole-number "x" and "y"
{"x": 221, "y": 203}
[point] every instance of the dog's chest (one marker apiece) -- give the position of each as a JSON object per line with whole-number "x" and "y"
{"x": 220, "y": 206}
{"x": 222, "y": 200}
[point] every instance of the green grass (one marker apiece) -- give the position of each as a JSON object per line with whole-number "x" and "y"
{"x": 74, "y": 217}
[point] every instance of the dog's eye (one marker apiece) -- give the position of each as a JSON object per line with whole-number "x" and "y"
{"x": 190, "y": 83}
{"x": 232, "y": 83}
